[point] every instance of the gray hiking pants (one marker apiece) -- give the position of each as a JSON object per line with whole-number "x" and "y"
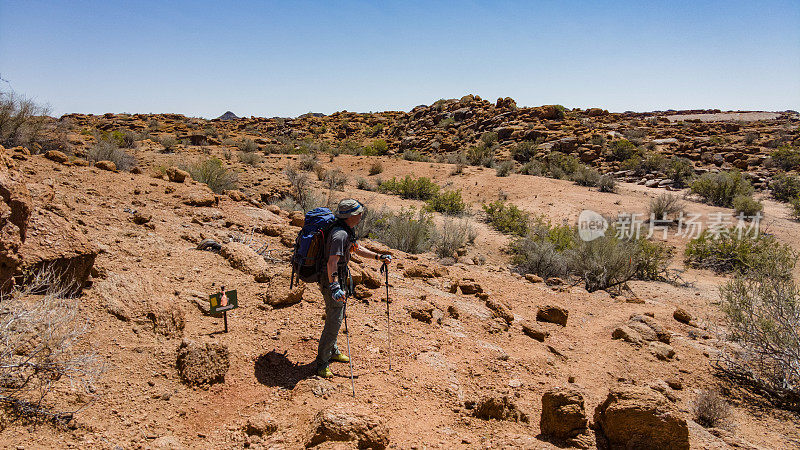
{"x": 334, "y": 313}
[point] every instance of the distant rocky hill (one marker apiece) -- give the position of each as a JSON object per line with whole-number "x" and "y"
{"x": 228, "y": 116}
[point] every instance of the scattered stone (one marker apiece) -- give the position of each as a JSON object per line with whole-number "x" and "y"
{"x": 56, "y": 156}
{"x": 106, "y": 165}
{"x": 176, "y": 175}
{"x": 555, "y": 281}
{"x": 563, "y": 415}
{"x": 167, "y": 321}
{"x": 638, "y": 417}
{"x": 202, "y": 363}
{"x": 141, "y": 218}
{"x": 200, "y": 197}
{"x": 534, "y": 331}
{"x": 500, "y": 310}
{"x": 418, "y": 271}
{"x": 533, "y": 278}
{"x": 499, "y": 408}
{"x": 244, "y": 258}
{"x": 167, "y": 443}
{"x": 348, "y": 423}
{"x": 297, "y": 218}
{"x": 468, "y": 286}
{"x": 682, "y": 316}
{"x": 661, "y": 334}
{"x": 278, "y": 294}
{"x": 674, "y": 383}
{"x": 627, "y": 334}
{"x": 422, "y": 311}
{"x": 662, "y": 351}
{"x": 262, "y": 424}
{"x": 553, "y": 314}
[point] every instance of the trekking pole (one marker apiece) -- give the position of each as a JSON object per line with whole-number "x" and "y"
{"x": 385, "y": 271}
{"x": 349, "y": 355}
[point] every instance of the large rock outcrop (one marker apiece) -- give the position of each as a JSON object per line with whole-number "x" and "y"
{"x": 638, "y": 417}
{"x": 15, "y": 211}
{"x": 564, "y": 417}
{"x": 343, "y": 423}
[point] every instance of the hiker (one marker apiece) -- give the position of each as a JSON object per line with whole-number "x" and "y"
{"x": 335, "y": 282}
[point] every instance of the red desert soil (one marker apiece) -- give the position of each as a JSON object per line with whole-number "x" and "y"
{"x": 461, "y": 356}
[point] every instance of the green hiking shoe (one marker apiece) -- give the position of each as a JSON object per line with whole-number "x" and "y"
{"x": 340, "y": 357}
{"x": 325, "y": 373}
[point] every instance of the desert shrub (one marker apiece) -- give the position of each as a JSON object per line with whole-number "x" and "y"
{"x": 504, "y": 168}
{"x": 524, "y": 151}
{"x": 795, "y": 208}
{"x": 635, "y": 135}
{"x": 107, "y": 150}
{"x": 731, "y": 251}
{"x": 376, "y": 168}
{"x": 721, "y": 188}
{"x": 22, "y": 121}
{"x": 379, "y": 147}
{"x": 622, "y": 150}
{"x": 307, "y": 162}
{"x": 448, "y": 202}
{"x": 786, "y": 157}
{"x": 489, "y": 138}
{"x": 746, "y": 205}
{"x": 374, "y": 131}
{"x": 480, "y": 155}
{"x": 414, "y": 155}
{"x": 710, "y": 410}
{"x": 214, "y": 174}
{"x": 604, "y": 262}
{"x": 561, "y": 165}
{"x": 750, "y": 137}
{"x": 335, "y": 180}
{"x": 421, "y": 188}
{"x": 303, "y": 197}
{"x": 453, "y": 235}
{"x": 250, "y": 158}
{"x": 321, "y": 172}
{"x": 446, "y": 122}
{"x": 247, "y": 145}
{"x": 123, "y": 138}
{"x": 652, "y": 259}
{"x": 586, "y": 176}
{"x": 607, "y": 183}
{"x": 409, "y": 230}
{"x": 665, "y": 207}
{"x": 762, "y": 311}
{"x": 44, "y": 353}
{"x": 680, "y": 171}
{"x": 169, "y": 142}
{"x": 539, "y": 257}
{"x": 363, "y": 184}
{"x": 507, "y": 218}
{"x": 785, "y": 187}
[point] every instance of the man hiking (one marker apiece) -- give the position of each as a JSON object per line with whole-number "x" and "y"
{"x": 335, "y": 282}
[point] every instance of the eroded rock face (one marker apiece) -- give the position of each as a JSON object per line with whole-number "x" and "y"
{"x": 563, "y": 414}
{"x": 15, "y": 211}
{"x": 347, "y": 423}
{"x": 54, "y": 245}
{"x": 553, "y": 314}
{"x": 202, "y": 363}
{"x": 638, "y": 417}
{"x": 246, "y": 259}
{"x": 499, "y": 408}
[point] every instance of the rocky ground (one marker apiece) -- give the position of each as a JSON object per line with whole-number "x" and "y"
{"x": 480, "y": 356}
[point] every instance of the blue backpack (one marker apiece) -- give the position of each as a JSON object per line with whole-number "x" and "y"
{"x": 309, "y": 247}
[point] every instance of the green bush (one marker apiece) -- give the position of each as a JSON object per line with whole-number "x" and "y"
{"x": 446, "y": 122}
{"x": 414, "y": 155}
{"x": 379, "y": 147}
{"x": 421, "y": 188}
{"x": 586, "y": 176}
{"x": 561, "y": 165}
{"x": 539, "y": 257}
{"x": 795, "y": 205}
{"x": 524, "y": 151}
{"x": 746, "y": 205}
{"x": 335, "y": 179}
{"x": 409, "y": 230}
{"x": 507, "y": 218}
{"x": 251, "y": 158}
{"x": 247, "y": 145}
{"x": 107, "y": 150}
{"x": 453, "y": 235}
{"x": 721, "y": 188}
{"x": 533, "y": 167}
{"x": 785, "y": 187}
{"x": 169, "y": 142}
{"x": 308, "y": 162}
{"x": 666, "y": 206}
{"x": 603, "y": 262}
{"x": 449, "y": 202}
{"x": 786, "y": 157}
{"x": 680, "y": 171}
{"x": 652, "y": 260}
{"x": 504, "y": 168}
{"x": 489, "y": 138}
{"x": 375, "y": 130}
{"x": 363, "y": 184}
{"x": 480, "y": 155}
{"x": 622, "y": 150}
{"x": 731, "y": 252}
{"x": 607, "y": 183}
{"x": 213, "y": 173}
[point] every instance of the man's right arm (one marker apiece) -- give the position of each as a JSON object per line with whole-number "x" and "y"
{"x": 333, "y": 260}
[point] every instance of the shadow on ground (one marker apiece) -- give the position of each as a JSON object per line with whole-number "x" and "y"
{"x": 275, "y": 369}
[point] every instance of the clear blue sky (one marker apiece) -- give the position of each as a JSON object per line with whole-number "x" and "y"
{"x": 266, "y": 58}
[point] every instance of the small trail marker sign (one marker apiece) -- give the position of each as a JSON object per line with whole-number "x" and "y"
{"x": 222, "y": 302}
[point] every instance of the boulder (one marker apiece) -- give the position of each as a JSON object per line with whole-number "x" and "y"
{"x": 682, "y": 316}
{"x": 262, "y": 424}
{"x": 297, "y": 218}
{"x": 422, "y": 311}
{"x": 56, "y": 156}
{"x": 662, "y": 351}
{"x": 200, "y": 197}
{"x": 176, "y": 175}
{"x": 467, "y": 286}
{"x": 533, "y": 278}
{"x": 278, "y": 294}
{"x": 244, "y": 258}
{"x": 553, "y": 314}
{"x": 202, "y": 363}
{"x": 661, "y": 334}
{"x": 348, "y": 423}
{"x": 534, "y": 331}
{"x": 418, "y": 271}
{"x": 627, "y": 334}
{"x": 499, "y": 408}
{"x": 15, "y": 211}
{"x": 55, "y": 245}
{"x": 106, "y": 165}
{"x": 638, "y": 417}
{"x": 500, "y": 309}
{"x": 563, "y": 414}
